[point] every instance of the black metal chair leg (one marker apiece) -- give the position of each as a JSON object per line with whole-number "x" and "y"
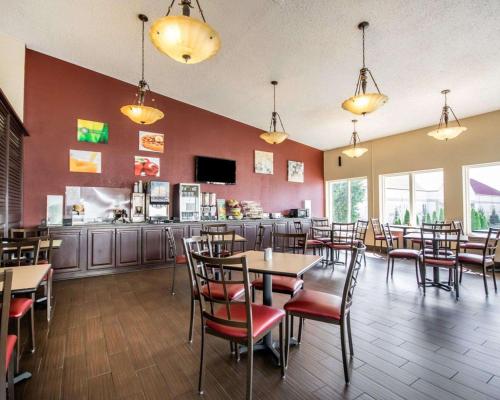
{"x": 461, "y": 272}
{"x": 344, "y": 354}
{"x": 249, "y": 370}
{"x": 202, "y": 362}
{"x": 485, "y": 281}
{"x": 287, "y": 339}
{"x": 301, "y": 326}
{"x": 191, "y": 322}
{"x": 282, "y": 351}
{"x": 172, "y": 290}
{"x": 388, "y": 268}
{"x": 494, "y": 277}
{"x": 416, "y": 271}
{"x": 392, "y": 268}
{"x": 349, "y": 335}
{"x": 455, "y": 270}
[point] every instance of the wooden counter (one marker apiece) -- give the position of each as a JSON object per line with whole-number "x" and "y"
{"x": 98, "y": 249}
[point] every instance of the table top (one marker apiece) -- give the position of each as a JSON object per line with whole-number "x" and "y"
{"x": 286, "y": 264}
{"x": 429, "y": 236}
{"x": 26, "y": 279}
{"x": 227, "y": 238}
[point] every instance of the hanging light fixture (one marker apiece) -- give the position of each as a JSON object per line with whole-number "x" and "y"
{"x": 443, "y": 131}
{"x": 274, "y": 136}
{"x": 354, "y": 151}
{"x": 184, "y": 38}
{"x": 138, "y": 112}
{"x": 362, "y": 102}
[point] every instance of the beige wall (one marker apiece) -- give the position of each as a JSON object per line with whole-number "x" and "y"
{"x": 12, "y": 54}
{"x": 414, "y": 151}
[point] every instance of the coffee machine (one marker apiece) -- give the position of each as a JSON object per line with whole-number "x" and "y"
{"x": 137, "y": 207}
{"x": 208, "y": 206}
{"x": 157, "y": 202}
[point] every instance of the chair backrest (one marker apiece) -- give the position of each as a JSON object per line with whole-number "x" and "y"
{"x": 491, "y": 243}
{"x": 360, "y": 231}
{"x": 342, "y": 233}
{"x": 445, "y": 244}
{"x": 194, "y": 244}
{"x": 24, "y": 233}
{"x": 172, "y": 247}
{"x": 46, "y": 247}
{"x": 319, "y": 222}
{"x": 377, "y": 228}
{"x": 389, "y": 239}
{"x": 221, "y": 241}
{"x": 297, "y": 226}
{"x": 214, "y": 227}
{"x": 437, "y": 225}
{"x": 259, "y": 238}
{"x": 457, "y": 224}
{"x": 352, "y": 278}
{"x": 289, "y": 242}
{"x": 206, "y": 276}
{"x": 6, "y": 281}
{"x": 12, "y": 253}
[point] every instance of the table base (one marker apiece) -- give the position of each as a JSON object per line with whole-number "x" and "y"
{"x": 441, "y": 285}
{"x": 273, "y": 349}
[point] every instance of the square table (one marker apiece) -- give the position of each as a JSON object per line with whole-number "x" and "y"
{"x": 284, "y": 264}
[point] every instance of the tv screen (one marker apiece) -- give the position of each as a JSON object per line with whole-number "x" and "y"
{"x": 215, "y": 170}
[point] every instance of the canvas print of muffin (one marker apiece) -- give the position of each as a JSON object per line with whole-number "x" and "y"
{"x": 149, "y": 141}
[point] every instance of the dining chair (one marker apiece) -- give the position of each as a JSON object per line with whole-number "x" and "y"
{"x": 222, "y": 242}
{"x": 484, "y": 260}
{"x": 457, "y": 224}
{"x": 45, "y": 257}
{"x": 179, "y": 259}
{"x": 214, "y": 227}
{"x": 199, "y": 245}
{"x": 239, "y": 321}
{"x": 7, "y": 342}
{"x": 360, "y": 234}
{"x": 321, "y": 233}
{"x": 394, "y": 253}
{"x": 378, "y": 235}
{"x": 442, "y": 253}
{"x": 259, "y": 238}
{"x": 342, "y": 239}
{"x": 25, "y": 233}
{"x": 328, "y": 308}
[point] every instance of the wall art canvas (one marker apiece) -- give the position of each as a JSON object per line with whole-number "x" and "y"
{"x": 146, "y": 166}
{"x": 85, "y": 161}
{"x": 264, "y": 162}
{"x": 54, "y": 210}
{"x": 149, "y": 141}
{"x": 92, "y": 131}
{"x": 295, "y": 171}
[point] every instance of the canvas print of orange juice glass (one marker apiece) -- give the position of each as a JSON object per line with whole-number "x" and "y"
{"x": 85, "y": 161}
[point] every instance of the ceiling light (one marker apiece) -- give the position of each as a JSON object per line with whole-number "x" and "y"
{"x": 354, "y": 151}
{"x": 184, "y": 38}
{"x": 363, "y": 103}
{"x": 443, "y": 131}
{"x": 274, "y": 136}
{"x": 138, "y": 112}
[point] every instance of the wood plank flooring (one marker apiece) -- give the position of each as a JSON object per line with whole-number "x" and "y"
{"x": 125, "y": 337}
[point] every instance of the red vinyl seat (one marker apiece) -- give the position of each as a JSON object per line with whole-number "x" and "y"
{"x": 281, "y": 284}
{"x": 474, "y": 259}
{"x": 11, "y": 345}
{"x": 340, "y": 246}
{"x": 19, "y": 306}
{"x": 315, "y": 242}
{"x": 445, "y": 262}
{"x": 181, "y": 259}
{"x": 404, "y": 253}
{"x": 217, "y": 291}
{"x": 311, "y": 303}
{"x": 472, "y": 246}
{"x": 379, "y": 237}
{"x": 263, "y": 319}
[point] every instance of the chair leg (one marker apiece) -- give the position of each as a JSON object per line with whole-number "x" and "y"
{"x": 287, "y": 339}
{"x": 388, "y": 268}
{"x": 202, "y": 361}
{"x": 461, "y": 272}
{"x": 282, "y": 351}
{"x": 172, "y": 290}
{"x": 253, "y": 294}
{"x": 301, "y": 326}
{"x": 18, "y": 344}
{"x": 422, "y": 275}
{"x": 249, "y": 369}
{"x": 191, "y": 322}
{"x": 32, "y": 322}
{"x": 344, "y": 352}
{"x": 364, "y": 258}
{"x": 494, "y": 277}
{"x": 392, "y": 268}
{"x": 10, "y": 377}
{"x": 416, "y": 271}
{"x": 485, "y": 281}
{"x": 349, "y": 335}
{"x": 49, "y": 298}
{"x": 455, "y": 272}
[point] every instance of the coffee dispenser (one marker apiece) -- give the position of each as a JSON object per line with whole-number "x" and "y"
{"x": 157, "y": 201}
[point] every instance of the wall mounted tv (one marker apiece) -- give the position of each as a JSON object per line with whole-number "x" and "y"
{"x": 215, "y": 170}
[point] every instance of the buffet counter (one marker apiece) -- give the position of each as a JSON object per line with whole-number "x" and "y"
{"x": 99, "y": 249}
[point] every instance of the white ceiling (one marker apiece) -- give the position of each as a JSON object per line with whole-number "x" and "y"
{"x": 313, "y": 48}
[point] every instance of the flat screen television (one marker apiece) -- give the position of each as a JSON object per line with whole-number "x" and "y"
{"x": 215, "y": 170}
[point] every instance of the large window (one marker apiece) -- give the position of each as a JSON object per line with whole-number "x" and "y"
{"x": 412, "y": 198}
{"x": 482, "y": 196}
{"x": 348, "y": 200}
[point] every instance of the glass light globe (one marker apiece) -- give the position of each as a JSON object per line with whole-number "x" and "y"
{"x": 364, "y": 103}
{"x": 142, "y": 114}
{"x": 274, "y": 137}
{"x": 355, "y": 152}
{"x": 450, "y": 132}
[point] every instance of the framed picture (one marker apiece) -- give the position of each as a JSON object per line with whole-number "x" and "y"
{"x": 264, "y": 162}
{"x": 149, "y": 141}
{"x": 85, "y": 161}
{"x": 146, "y": 166}
{"x": 295, "y": 171}
{"x": 92, "y": 131}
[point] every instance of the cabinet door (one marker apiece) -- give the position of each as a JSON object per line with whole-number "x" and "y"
{"x": 153, "y": 245}
{"x": 179, "y": 232}
{"x": 101, "y": 248}
{"x": 128, "y": 247}
{"x": 68, "y": 257}
{"x": 250, "y": 234}
{"x": 194, "y": 230}
{"x": 280, "y": 227}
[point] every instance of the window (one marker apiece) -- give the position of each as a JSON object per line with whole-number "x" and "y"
{"x": 412, "y": 198}
{"x": 482, "y": 196}
{"x": 348, "y": 200}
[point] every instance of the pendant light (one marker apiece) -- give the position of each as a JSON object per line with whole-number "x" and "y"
{"x": 138, "y": 112}
{"x": 443, "y": 131}
{"x": 274, "y": 136}
{"x": 362, "y": 102}
{"x": 354, "y": 151}
{"x": 184, "y": 38}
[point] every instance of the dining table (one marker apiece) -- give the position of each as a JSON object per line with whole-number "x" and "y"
{"x": 26, "y": 280}
{"x": 282, "y": 264}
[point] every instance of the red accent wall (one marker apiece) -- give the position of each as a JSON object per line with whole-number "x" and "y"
{"x": 57, "y": 93}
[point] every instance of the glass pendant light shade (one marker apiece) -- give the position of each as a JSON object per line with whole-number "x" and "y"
{"x": 362, "y": 102}
{"x": 138, "y": 112}
{"x": 355, "y": 151}
{"x": 274, "y": 136}
{"x": 184, "y": 38}
{"x": 443, "y": 131}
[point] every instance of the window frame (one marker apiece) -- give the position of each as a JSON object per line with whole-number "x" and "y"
{"x": 329, "y": 197}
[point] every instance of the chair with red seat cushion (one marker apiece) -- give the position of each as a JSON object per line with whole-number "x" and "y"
{"x": 7, "y": 342}
{"x": 445, "y": 245}
{"x": 240, "y": 322}
{"x": 360, "y": 234}
{"x": 329, "y": 308}
{"x": 393, "y": 254}
{"x": 378, "y": 235}
{"x": 485, "y": 260}
{"x": 342, "y": 239}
